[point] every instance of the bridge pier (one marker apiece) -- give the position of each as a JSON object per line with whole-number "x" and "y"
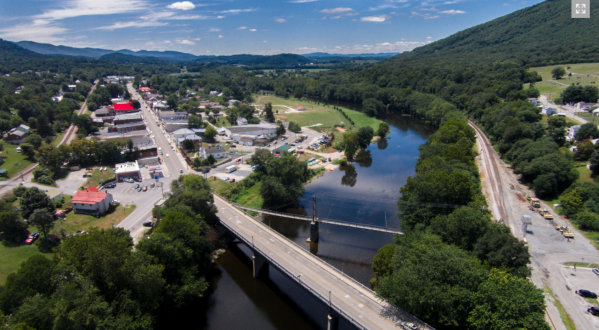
{"x": 331, "y": 322}
{"x": 260, "y": 266}
{"x": 314, "y": 234}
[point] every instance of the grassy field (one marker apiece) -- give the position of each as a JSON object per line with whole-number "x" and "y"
{"x": 97, "y": 177}
{"x": 221, "y": 122}
{"x": 12, "y": 257}
{"x": 316, "y": 113}
{"x": 583, "y": 74}
{"x": 57, "y": 139}
{"x": 250, "y": 197}
{"x": 586, "y": 175}
{"x": 14, "y": 162}
{"x": 568, "y": 120}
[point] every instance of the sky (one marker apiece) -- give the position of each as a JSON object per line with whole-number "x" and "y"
{"x": 225, "y": 27}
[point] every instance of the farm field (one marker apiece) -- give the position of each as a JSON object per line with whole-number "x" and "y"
{"x": 583, "y": 74}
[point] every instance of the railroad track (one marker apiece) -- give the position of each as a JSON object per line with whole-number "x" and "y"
{"x": 65, "y": 139}
{"x": 492, "y": 171}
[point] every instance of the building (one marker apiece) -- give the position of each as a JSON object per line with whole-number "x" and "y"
{"x": 281, "y": 149}
{"x": 586, "y": 106}
{"x": 216, "y": 152}
{"x": 258, "y": 129}
{"x": 247, "y": 141}
{"x": 197, "y": 141}
{"x": 127, "y": 118}
{"x": 241, "y": 121}
{"x": 174, "y": 125}
{"x": 199, "y": 131}
{"x": 98, "y": 122}
{"x": 146, "y": 151}
{"x": 548, "y": 111}
{"x": 105, "y": 112}
{"x": 532, "y": 100}
{"x": 54, "y": 195}
{"x": 128, "y": 127}
{"x": 181, "y": 133}
{"x": 129, "y": 170}
{"x": 91, "y": 201}
{"x": 301, "y": 109}
{"x": 260, "y": 142}
{"x": 571, "y": 132}
{"x": 121, "y": 108}
{"x": 17, "y": 135}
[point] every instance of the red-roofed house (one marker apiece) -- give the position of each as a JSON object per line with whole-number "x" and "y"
{"x": 146, "y": 89}
{"x": 121, "y": 108}
{"x": 91, "y": 201}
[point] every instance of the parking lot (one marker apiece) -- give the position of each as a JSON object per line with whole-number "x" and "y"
{"x": 585, "y": 279}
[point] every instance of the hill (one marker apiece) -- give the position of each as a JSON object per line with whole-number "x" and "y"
{"x": 10, "y": 51}
{"x": 324, "y": 55}
{"x": 281, "y": 60}
{"x": 543, "y": 34}
{"x": 119, "y": 58}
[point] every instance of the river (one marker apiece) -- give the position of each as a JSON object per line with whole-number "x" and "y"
{"x": 366, "y": 192}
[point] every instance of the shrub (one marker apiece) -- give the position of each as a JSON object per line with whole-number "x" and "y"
{"x": 10, "y": 199}
{"x": 19, "y": 191}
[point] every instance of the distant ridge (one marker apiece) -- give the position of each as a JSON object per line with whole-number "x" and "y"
{"x": 321, "y": 54}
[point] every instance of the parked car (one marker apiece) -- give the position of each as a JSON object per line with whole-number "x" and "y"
{"x": 136, "y": 186}
{"x": 233, "y": 146}
{"x": 587, "y": 294}
{"x": 238, "y": 160}
{"x": 409, "y": 326}
{"x": 145, "y": 188}
{"x": 167, "y": 155}
{"x": 110, "y": 185}
{"x": 32, "y": 238}
{"x": 226, "y": 178}
{"x": 232, "y": 180}
{"x": 138, "y": 189}
{"x": 68, "y": 209}
{"x": 593, "y": 310}
{"x": 152, "y": 185}
{"x": 148, "y": 224}
{"x": 180, "y": 171}
{"x": 89, "y": 169}
{"x": 596, "y": 271}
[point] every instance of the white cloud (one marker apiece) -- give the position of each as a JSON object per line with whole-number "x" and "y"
{"x": 386, "y": 47}
{"x": 214, "y": 30}
{"x": 264, "y": 41}
{"x": 280, "y": 20}
{"x": 186, "y": 42}
{"x": 76, "y": 8}
{"x": 167, "y": 42}
{"x": 220, "y": 36}
{"x": 376, "y": 19}
{"x": 242, "y": 28}
{"x": 336, "y": 10}
{"x": 452, "y": 12}
{"x": 236, "y": 11}
{"x": 425, "y": 15}
{"x": 39, "y": 30}
{"x": 253, "y": 30}
{"x": 383, "y": 6}
{"x": 429, "y": 37}
{"x": 155, "y": 19}
{"x": 183, "y": 5}
{"x": 136, "y": 24}
{"x": 197, "y": 39}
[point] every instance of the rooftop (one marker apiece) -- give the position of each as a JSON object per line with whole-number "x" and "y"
{"x": 126, "y": 167}
{"x": 124, "y": 106}
{"x": 251, "y": 128}
{"x": 53, "y": 193}
{"x": 88, "y": 197}
{"x": 128, "y": 116}
{"x": 143, "y": 143}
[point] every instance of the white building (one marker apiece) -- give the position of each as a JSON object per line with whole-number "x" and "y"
{"x": 571, "y": 132}
{"x": 216, "y": 152}
{"x": 586, "y": 106}
{"x": 129, "y": 170}
{"x": 91, "y": 201}
{"x": 532, "y": 100}
{"x": 548, "y": 111}
{"x": 241, "y": 121}
{"x": 258, "y": 129}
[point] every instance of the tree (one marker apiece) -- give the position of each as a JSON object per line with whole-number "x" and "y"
{"x": 280, "y": 130}
{"x": 383, "y": 130}
{"x": 33, "y": 277}
{"x": 504, "y": 301}
{"x": 136, "y": 104}
{"x": 43, "y": 220}
{"x": 28, "y": 150}
{"x": 365, "y": 135}
{"x": 351, "y": 143}
{"x": 382, "y": 263}
{"x": 372, "y": 107}
{"x": 584, "y": 151}
{"x": 35, "y": 199}
{"x": 270, "y": 117}
{"x": 558, "y": 72}
{"x": 577, "y": 93}
{"x": 298, "y": 92}
{"x": 261, "y": 157}
{"x": 211, "y": 159}
{"x": 294, "y": 127}
{"x": 173, "y": 102}
{"x": 12, "y": 229}
{"x": 197, "y": 162}
{"x": 587, "y": 131}
{"x": 35, "y": 140}
{"x": 188, "y": 144}
{"x": 588, "y": 221}
{"x": 502, "y": 250}
{"x": 463, "y": 227}
{"x": 594, "y": 161}
{"x": 210, "y": 133}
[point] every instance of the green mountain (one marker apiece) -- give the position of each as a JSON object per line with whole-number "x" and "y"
{"x": 543, "y": 34}
{"x": 280, "y": 60}
{"x": 119, "y": 58}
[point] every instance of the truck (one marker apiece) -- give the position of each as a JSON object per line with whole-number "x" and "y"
{"x": 231, "y": 168}
{"x": 535, "y": 202}
{"x": 545, "y": 213}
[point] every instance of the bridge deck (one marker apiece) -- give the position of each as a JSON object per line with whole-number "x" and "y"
{"x": 350, "y": 299}
{"x": 332, "y": 222}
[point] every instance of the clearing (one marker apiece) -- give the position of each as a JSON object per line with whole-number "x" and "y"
{"x": 14, "y": 162}
{"x": 583, "y": 74}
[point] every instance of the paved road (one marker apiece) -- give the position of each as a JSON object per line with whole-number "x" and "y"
{"x": 549, "y": 249}
{"x": 569, "y": 111}
{"x": 357, "y": 301}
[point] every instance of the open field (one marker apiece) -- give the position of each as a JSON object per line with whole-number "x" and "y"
{"x": 11, "y": 258}
{"x": 97, "y": 177}
{"x": 249, "y": 197}
{"x": 316, "y": 113}
{"x": 583, "y": 74}
{"x": 14, "y": 162}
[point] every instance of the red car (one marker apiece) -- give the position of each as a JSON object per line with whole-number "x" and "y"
{"x": 238, "y": 160}
{"x": 232, "y": 180}
{"x": 145, "y": 188}
{"x": 68, "y": 209}
{"x": 32, "y": 238}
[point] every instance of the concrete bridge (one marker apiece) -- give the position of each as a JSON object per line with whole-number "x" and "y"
{"x": 346, "y": 298}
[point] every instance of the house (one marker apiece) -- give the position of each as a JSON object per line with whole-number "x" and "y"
{"x": 54, "y": 195}
{"x": 213, "y": 93}
{"x": 232, "y": 102}
{"x": 241, "y": 121}
{"x": 127, "y": 118}
{"x": 247, "y": 141}
{"x": 260, "y": 142}
{"x": 71, "y": 88}
{"x": 124, "y": 107}
{"x": 57, "y": 98}
{"x": 532, "y": 100}
{"x": 238, "y": 137}
{"x": 129, "y": 170}
{"x": 98, "y": 122}
{"x": 301, "y": 109}
{"x": 199, "y": 131}
{"x": 17, "y": 135}
{"x": 146, "y": 89}
{"x": 104, "y": 112}
{"x": 159, "y": 105}
{"x": 548, "y": 111}
{"x": 91, "y": 201}
{"x": 216, "y": 152}
{"x": 281, "y": 149}
{"x": 174, "y": 125}
{"x": 571, "y": 132}
{"x": 181, "y": 133}
{"x": 586, "y": 106}
{"x": 221, "y": 131}
{"x": 197, "y": 141}
{"x": 23, "y": 128}
{"x": 258, "y": 129}
{"x": 146, "y": 151}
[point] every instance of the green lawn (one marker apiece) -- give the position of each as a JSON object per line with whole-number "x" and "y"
{"x": 222, "y": 122}
{"x": 250, "y": 197}
{"x": 586, "y": 175}
{"x": 57, "y": 139}
{"x": 11, "y": 258}
{"x": 583, "y": 74}
{"x": 581, "y": 264}
{"x": 14, "y": 162}
{"x": 97, "y": 177}
{"x": 315, "y": 113}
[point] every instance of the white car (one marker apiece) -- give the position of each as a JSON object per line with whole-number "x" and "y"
{"x": 167, "y": 155}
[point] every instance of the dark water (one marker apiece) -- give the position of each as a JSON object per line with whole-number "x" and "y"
{"x": 365, "y": 192}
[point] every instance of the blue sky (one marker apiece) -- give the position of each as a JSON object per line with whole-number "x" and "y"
{"x": 222, "y": 27}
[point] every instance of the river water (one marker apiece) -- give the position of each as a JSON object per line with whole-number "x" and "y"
{"x": 365, "y": 192}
